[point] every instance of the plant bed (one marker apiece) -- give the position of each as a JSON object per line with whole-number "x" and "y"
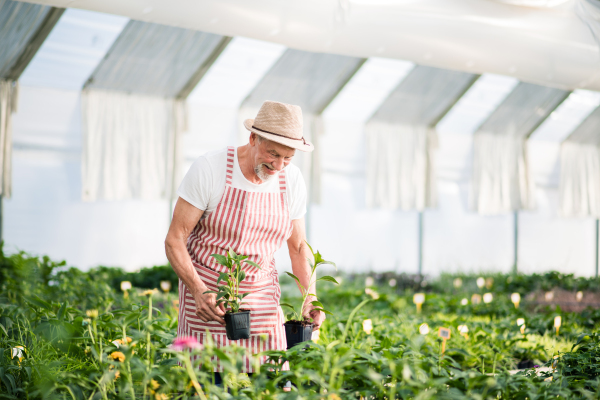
{"x": 298, "y": 332}
{"x": 568, "y": 300}
{"x": 237, "y": 325}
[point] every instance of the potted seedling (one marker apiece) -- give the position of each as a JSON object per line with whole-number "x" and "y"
{"x": 299, "y": 328}
{"x": 237, "y": 319}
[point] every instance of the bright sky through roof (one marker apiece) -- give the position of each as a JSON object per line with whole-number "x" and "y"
{"x": 236, "y": 72}
{"x": 367, "y": 89}
{"x": 568, "y": 116}
{"x": 477, "y": 104}
{"x": 73, "y": 49}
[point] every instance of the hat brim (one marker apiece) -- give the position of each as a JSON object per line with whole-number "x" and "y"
{"x": 302, "y": 145}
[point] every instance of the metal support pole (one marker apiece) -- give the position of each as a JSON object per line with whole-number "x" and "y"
{"x": 2, "y": 224}
{"x": 597, "y": 238}
{"x": 516, "y": 244}
{"x": 420, "y": 243}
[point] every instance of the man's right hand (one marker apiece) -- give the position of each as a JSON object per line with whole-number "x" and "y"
{"x": 207, "y": 309}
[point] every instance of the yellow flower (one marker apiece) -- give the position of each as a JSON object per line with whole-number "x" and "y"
{"x": 161, "y": 396}
{"x": 117, "y": 356}
{"x": 334, "y": 396}
{"x": 149, "y": 292}
{"x": 153, "y": 384}
{"x": 117, "y": 375}
{"x": 119, "y": 342}
{"x": 92, "y": 313}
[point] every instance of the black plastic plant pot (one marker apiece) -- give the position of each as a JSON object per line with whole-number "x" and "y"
{"x": 297, "y": 332}
{"x": 237, "y": 325}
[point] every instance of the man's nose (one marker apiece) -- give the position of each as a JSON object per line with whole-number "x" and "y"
{"x": 278, "y": 164}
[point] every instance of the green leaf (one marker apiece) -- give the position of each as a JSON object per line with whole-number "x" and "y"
{"x": 322, "y": 309}
{"x": 287, "y": 305}
{"x": 61, "y": 311}
{"x": 210, "y": 291}
{"x": 293, "y": 276}
{"x": 220, "y": 259}
{"x": 36, "y": 301}
{"x": 223, "y": 277}
{"x": 232, "y": 253}
{"x": 241, "y": 276}
{"x": 328, "y": 279}
{"x": 316, "y": 303}
{"x": 252, "y": 263}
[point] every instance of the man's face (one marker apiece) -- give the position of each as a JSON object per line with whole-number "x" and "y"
{"x": 269, "y": 157}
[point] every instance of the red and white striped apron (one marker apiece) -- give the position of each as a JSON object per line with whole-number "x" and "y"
{"x": 255, "y": 225}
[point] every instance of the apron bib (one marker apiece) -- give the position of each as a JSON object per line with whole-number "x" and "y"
{"x": 255, "y": 225}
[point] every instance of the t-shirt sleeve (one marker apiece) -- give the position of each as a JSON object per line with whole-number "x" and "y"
{"x": 297, "y": 196}
{"x": 197, "y": 185}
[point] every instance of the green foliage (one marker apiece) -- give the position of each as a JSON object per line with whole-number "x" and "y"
{"x": 229, "y": 293}
{"x": 74, "y": 329}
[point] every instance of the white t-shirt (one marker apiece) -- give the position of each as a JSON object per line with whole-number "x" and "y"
{"x": 204, "y": 184}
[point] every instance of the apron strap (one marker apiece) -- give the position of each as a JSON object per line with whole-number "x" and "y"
{"x": 282, "y": 184}
{"x": 229, "y": 171}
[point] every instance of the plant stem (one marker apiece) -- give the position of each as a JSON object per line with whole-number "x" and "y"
{"x": 482, "y": 365}
{"x": 440, "y": 360}
{"x": 494, "y": 367}
{"x": 148, "y": 329}
{"x": 192, "y": 375}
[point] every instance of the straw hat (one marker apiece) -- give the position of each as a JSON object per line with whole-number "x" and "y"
{"x": 281, "y": 123}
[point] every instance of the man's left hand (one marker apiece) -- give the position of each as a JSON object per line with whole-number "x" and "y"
{"x": 317, "y": 316}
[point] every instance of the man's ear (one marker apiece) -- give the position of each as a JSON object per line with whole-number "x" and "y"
{"x": 253, "y": 142}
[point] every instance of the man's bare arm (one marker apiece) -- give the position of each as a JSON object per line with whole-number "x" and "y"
{"x": 299, "y": 255}
{"x": 185, "y": 218}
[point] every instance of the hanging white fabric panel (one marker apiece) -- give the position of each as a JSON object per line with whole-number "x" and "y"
{"x": 580, "y": 170}
{"x": 311, "y": 81}
{"x": 501, "y": 178}
{"x": 130, "y": 145}
{"x": 134, "y": 110}
{"x": 400, "y": 172}
{"x": 401, "y": 138}
{"x": 8, "y": 105}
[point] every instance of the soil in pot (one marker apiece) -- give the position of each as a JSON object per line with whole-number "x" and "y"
{"x": 237, "y": 325}
{"x": 525, "y": 364}
{"x": 297, "y": 332}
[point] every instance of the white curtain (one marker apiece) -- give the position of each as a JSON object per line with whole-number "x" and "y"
{"x": 579, "y": 187}
{"x": 309, "y": 163}
{"x": 400, "y": 166}
{"x": 130, "y": 146}
{"x": 8, "y": 105}
{"x": 501, "y": 181}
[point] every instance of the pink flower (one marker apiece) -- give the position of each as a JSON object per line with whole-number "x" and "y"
{"x": 186, "y": 342}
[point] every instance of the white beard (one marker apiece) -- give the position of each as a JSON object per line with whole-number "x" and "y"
{"x": 259, "y": 170}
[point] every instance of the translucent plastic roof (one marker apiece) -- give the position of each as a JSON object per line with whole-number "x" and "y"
{"x": 154, "y": 59}
{"x": 310, "y": 80}
{"x": 19, "y": 22}
{"x": 523, "y": 110}
{"x": 236, "y": 72}
{"x": 424, "y": 96}
{"x": 477, "y": 104}
{"x": 568, "y": 116}
{"x": 367, "y": 89}
{"x": 589, "y": 130}
{"x": 73, "y": 49}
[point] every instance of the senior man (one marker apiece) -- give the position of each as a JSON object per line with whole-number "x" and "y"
{"x": 250, "y": 199}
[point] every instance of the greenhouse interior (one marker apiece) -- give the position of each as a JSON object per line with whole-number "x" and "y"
{"x": 434, "y": 230}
